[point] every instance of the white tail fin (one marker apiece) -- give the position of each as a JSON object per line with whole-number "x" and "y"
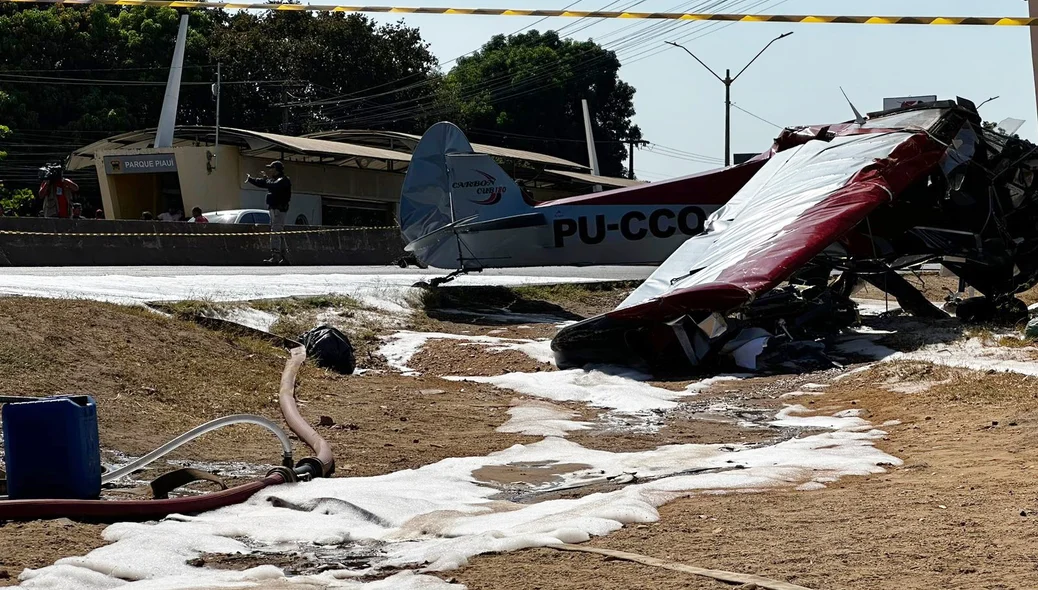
{"x": 448, "y": 182}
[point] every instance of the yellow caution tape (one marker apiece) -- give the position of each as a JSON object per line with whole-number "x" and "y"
{"x": 13, "y": 232}
{"x": 692, "y": 16}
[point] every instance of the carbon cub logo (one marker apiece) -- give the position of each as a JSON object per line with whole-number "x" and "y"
{"x": 485, "y": 187}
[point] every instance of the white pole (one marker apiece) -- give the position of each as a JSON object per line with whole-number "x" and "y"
{"x": 591, "y": 155}
{"x": 168, "y": 117}
{"x": 1033, "y": 6}
{"x": 216, "y": 149}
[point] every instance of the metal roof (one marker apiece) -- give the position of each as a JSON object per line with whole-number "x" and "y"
{"x": 255, "y": 144}
{"x": 374, "y": 150}
{"x": 603, "y": 180}
{"x": 408, "y": 141}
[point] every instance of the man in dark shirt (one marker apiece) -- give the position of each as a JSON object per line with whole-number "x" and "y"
{"x": 279, "y": 193}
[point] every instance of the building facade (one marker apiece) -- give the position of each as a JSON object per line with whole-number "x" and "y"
{"x": 350, "y": 178}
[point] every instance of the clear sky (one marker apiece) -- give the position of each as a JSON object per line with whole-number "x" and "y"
{"x": 680, "y": 105}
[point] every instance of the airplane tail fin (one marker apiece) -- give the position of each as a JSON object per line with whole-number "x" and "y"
{"x": 447, "y": 184}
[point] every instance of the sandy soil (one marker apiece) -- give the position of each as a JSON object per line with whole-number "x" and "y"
{"x": 935, "y": 287}
{"x": 957, "y": 514}
{"x": 960, "y": 512}
{"x": 38, "y": 544}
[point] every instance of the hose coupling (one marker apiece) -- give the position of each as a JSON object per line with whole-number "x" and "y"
{"x": 287, "y": 474}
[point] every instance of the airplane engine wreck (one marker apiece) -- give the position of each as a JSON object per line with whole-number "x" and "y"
{"x": 833, "y": 206}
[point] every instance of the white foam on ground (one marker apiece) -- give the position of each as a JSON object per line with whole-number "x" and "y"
{"x": 247, "y": 316}
{"x": 388, "y": 292}
{"x": 874, "y": 307}
{"x": 440, "y": 515}
{"x": 606, "y": 387}
{"x": 705, "y": 384}
{"x": 814, "y": 386}
{"x": 800, "y": 394}
{"x": 541, "y": 419}
{"x": 845, "y": 420}
{"x": 852, "y": 372}
{"x": 973, "y": 354}
{"x": 400, "y": 347}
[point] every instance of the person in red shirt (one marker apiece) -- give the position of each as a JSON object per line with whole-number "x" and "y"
{"x": 197, "y": 217}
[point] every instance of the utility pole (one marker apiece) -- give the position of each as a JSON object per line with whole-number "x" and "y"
{"x": 1033, "y": 11}
{"x": 728, "y": 80}
{"x": 631, "y": 144}
{"x": 284, "y": 109}
{"x": 216, "y": 91}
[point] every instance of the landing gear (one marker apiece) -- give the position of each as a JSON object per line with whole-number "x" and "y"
{"x": 437, "y": 281}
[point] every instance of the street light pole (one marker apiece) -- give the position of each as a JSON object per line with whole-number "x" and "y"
{"x": 728, "y": 80}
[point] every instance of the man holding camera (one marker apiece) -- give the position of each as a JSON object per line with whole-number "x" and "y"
{"x": 279, "y": 193}
{"x": 56, "y": 191}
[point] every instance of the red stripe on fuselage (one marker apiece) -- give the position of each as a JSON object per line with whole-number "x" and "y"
{"x": 716, "y": 187}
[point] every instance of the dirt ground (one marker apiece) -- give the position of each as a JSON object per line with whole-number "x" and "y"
{"x": 960, "y": 513}
{"x": 155, "y": 377}
{"x": 935, "y": 287}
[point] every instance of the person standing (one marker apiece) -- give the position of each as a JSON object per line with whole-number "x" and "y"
{"x": 77, "y": 211}
{"x": 56, "y": 193}
{"x": 279, "y": 193}
{"x": 173, "y": 214}
{"x": 197, "y": 217}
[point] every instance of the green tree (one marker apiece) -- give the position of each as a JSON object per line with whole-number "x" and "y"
{"x": 70, "y": 75}
{"x": 19, "y": 201}
{"x": 522, "y": 89}
{"x": 332, "y": 69}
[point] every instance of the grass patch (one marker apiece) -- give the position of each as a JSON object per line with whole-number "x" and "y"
{"x": 1014, "y": 342}
{"x": 298, "y": 305}
{"x": 582, "y": 293}
{"x": 524, "y": 299}
{"x": 291, "y": 327}
{"x": 192, "y": 307}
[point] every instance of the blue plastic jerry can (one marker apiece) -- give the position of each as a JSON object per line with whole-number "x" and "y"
{"x": 51, "y": 448}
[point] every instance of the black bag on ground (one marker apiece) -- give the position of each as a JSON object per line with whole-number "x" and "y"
{"x": 330, "y": 348}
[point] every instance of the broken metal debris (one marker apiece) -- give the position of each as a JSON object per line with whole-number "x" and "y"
{"x": 774, "y": 268}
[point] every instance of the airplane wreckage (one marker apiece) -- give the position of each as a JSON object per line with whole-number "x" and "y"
{"x": 767, "y": 252}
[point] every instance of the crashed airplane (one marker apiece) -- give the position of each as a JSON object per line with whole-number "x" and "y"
{"x": 460, "y": 211}
{"x": 854, "y": 202}
{"x": 789, "y": 240}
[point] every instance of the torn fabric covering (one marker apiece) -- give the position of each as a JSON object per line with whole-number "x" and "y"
{"x": 426, "y": 209}
{"x": 801, "y": 201}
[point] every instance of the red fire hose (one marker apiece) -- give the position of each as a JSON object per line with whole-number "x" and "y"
{"x": 123, "y": 510}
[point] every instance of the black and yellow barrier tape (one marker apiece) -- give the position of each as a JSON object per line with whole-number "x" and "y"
{"x": 15, "y": 232}
{"x": 1008, "y": 21}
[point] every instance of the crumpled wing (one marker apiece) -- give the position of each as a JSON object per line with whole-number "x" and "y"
{"x": 799, "y": 203}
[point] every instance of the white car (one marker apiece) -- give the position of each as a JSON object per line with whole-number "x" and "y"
{"x": 250, "y": 216}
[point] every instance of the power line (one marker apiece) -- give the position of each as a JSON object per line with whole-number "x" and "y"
{"x": 758, "y": 117}
{"x": 7, "y": 78}
{"x": 384, "y": 113}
